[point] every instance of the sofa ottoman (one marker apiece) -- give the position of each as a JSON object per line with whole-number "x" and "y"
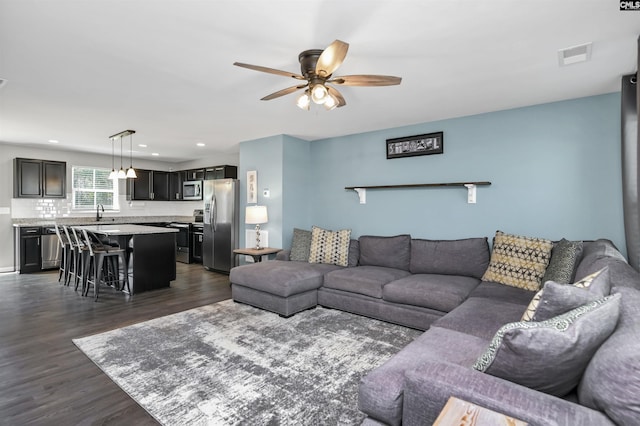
{"x": 283, "y": 287}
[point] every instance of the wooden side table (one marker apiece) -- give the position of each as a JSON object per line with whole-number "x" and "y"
{"x": 257, "y": 253}
{"x": 458, "y": 412}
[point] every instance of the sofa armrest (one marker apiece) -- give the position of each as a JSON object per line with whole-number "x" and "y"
{"x": 429, "y": 386}
{"x": 283, "y": 254}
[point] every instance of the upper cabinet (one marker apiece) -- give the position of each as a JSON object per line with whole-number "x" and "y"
{"x": 39, "y": 178}
{"x": 167, "y": 186}
{"x": 221, "y": 172}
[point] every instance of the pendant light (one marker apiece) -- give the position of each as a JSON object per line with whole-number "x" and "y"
{"x": 121, "y": 172}
{"x": 131, "y": 172}
{"x": 113, "y": 175}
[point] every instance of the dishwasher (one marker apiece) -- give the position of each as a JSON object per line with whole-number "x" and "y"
{"x": 51, "y": 249}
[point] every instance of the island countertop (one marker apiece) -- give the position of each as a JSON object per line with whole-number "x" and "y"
{"x": 125, "y": 229}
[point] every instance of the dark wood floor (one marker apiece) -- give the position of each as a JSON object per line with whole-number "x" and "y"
{"x": 44, "y": 378}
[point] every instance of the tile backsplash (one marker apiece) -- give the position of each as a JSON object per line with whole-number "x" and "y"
{"x": 52, "y": 208}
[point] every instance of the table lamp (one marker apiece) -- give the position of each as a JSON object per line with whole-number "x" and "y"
{"x": 255, "y": 215}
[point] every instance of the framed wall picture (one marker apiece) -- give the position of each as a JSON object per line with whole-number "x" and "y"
{"x": 410, "y": 146}
{"x": 252, "y": 186}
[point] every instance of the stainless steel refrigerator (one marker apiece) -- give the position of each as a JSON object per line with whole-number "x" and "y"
{"x": 221, "y": 228}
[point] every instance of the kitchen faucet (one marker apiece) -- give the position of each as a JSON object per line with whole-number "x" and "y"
{"x": 98, "y": 215}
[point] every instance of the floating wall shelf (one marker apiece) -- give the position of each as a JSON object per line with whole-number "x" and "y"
{"x": 471, "y": 188}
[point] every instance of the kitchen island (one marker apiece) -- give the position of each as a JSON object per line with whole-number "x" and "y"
{"x": 151, "y": 253}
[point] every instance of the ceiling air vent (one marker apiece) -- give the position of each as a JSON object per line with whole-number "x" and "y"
{"x": 575, "y": 54}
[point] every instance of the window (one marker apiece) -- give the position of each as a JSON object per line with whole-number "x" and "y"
{"x": 92, "y": 186}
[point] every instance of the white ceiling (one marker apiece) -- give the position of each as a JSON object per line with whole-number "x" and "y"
{"x": 79, "y": 71}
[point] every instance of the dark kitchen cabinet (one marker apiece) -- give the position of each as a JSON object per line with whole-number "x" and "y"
{"x": 39, "y": 178}
{"x": 150, "y": 185}
{"x": 30, "y": 252}
{"x": 160, "y": 186}
{"x": 221, "y": 172}
{"x": 175, "y": 186}
{"x": 140, "y": 187}
{"x": 194, "y": 174}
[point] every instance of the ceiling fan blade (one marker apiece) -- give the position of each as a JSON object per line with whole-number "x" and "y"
{"x": 333, "y": 92}
{"x": 366, "y": 80}
{"x": 283, "y": 92}
{"x": 269, "y": 70}
{"x": 331, "y": 58}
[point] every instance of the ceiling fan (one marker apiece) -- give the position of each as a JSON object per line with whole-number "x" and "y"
{"x": 317, "y": 67}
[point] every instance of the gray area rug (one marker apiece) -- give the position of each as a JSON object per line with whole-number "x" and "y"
{"x": 229, "y": 364}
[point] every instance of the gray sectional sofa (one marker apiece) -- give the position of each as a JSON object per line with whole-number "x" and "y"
{"x": 437, "y": 286}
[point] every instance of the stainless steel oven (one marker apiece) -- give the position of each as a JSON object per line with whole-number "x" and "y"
{"x": 192, "y": 190}
{"x": 183, "y": 241}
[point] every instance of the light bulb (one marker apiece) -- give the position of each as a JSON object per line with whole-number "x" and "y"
{"x": 303, "y": 101}
{"x": 319, "y": 94}
{"x": 330, "y": 103}
{"x": 113, "y": 175}
{"x": 131, "y": 173}
{"x": 122, "y": 174}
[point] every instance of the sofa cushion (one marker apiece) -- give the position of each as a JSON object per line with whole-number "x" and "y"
{"x": 390, "y": 252}
{"x": 281, "y": 278}
{"x": 381, "y": 391}
{"x": 481, "y": 317}
{"x": 330, "y": 247}
{"x": 367, "y": 280}
{"x": 354, "y": 252}
{"x": 562, "y": 298}
{"x": 439, "y": 292}
{"x": 518, "y": 261}
{"x": 504, "y": 293}
{"x": 611, "y": 382}
{"x": 468, "y": 257}
{"x": 300, "y": 245}
{"x": 565, "y": 256}
{"x": 550, "y": 356}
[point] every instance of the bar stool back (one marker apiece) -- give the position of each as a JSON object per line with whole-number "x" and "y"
{"x": 66, "y": 254}
{"x": 82, "y": 255}
{"x": 98, "y": 252}
{"x": 74, "y": 254}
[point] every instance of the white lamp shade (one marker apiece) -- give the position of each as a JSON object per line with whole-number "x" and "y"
{"x": 255, "y": 215}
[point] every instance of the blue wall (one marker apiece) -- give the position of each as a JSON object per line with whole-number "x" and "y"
{"x": 555, "y": 172}
{"x": 264, "y": 156}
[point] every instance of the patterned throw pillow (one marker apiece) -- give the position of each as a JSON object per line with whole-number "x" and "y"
{"x": 597, "y": 283}
{"x": 564, "y": 259}
{"x": 518, "y": 261}
{"x": 300, "y": 245}
{"x": 329, "y": 246}
{"x": 550, "y": 356}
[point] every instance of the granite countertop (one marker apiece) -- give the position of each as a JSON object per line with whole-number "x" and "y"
{"x": 124, "y": 229}
{"x": 106, "y": 220}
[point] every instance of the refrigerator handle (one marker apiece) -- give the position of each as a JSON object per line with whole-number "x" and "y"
{"x": 214, "y": 213}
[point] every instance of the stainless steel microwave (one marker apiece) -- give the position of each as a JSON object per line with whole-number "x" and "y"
{"x": 192, "y": 190}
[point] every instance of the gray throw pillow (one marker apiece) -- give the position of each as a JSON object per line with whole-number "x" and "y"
{"x": 300, "y": 245}
{"x": 565, "y": 256}
{"x": 611, "y": 382}
{"x": 557, "y": 298}
{"x": 550, "y": 356}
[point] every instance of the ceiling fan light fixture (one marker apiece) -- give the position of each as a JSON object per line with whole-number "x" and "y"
{"x": 319, "y": 94}
{"x": 304, "y": 101}
{"x": 330, "y": 103}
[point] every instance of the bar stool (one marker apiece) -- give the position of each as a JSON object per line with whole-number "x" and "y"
{"x": 74, "y": 255}
{"x": 66, "y": 254}
{"x": 95, "y": 262}
{"x": 81, "y": 255}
